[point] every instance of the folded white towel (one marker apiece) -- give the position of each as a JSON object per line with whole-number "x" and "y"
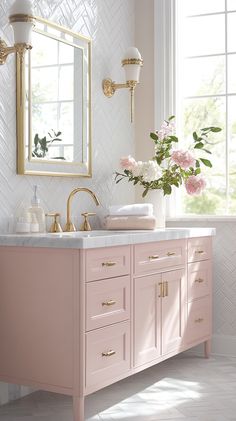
{"x": 143, "y": 209}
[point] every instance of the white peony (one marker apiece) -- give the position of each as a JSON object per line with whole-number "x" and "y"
{"x": 149, "y": 171}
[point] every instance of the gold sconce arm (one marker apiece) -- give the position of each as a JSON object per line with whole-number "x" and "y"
{"x": 5, "y": 51}
{"x": 109, "y": 88}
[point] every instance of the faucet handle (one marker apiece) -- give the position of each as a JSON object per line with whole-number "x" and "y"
{"x": 55, "y": 227}
{"x": 86, "y": 225}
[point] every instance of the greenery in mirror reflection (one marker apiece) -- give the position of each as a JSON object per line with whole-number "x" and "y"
{"x": 42, "y": 145}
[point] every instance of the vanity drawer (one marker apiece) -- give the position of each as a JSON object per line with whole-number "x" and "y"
{"x": 199, "y": 319}
{"x": 108, "y": 301}
{"x": 199, "y": 279}
{"x": 154, "y": 256}
{"x": 107, "y": 262}
{"x": 108, "y": 353}
{"x": 199, "y": 249}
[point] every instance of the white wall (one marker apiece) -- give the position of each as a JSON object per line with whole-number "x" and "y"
{"x": 110, "y": 24}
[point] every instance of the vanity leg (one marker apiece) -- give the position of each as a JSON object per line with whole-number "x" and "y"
{"x": 78, "y": 408}
{"x": 207, "y": 348}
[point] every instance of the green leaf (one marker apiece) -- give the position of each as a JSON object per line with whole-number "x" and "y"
{"x": 216, "y": 129}
{"x": 197, "y": 163}
{"x": 167, "y": 189}
{"x": 206, "y": 162}
{"x": 145, "y": 193}
{"x": 199, "y": 145}
{"x": 154, "y": 136}
{"x": 174, "y": 138}
{"x": 195, "y": 136}
{"x": 197, "y": 171}
{"x": 206, "y": 150}
{"x": 171, "y": 117}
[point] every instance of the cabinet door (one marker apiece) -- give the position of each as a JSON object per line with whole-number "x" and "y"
{"x": 147, "y": 314}
{"x": 174, "y": 308}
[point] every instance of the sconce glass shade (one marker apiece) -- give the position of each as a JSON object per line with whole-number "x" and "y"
{"x": 132, "y": 63}
{"x": 22, "y": 21}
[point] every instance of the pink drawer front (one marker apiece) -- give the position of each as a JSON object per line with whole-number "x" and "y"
{"x": 199, "y": 319}
{"x": 107, "y": 262}
{"x": 199, "y": 279}
{"x": 199, "y": 249}
{"x": 154, "y": 256}
{"x": 108, "y": 353}
{"x": 108, "y": 301}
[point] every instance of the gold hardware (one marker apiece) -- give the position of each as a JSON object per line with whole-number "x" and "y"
{"x": 161, "y": 294}
{"x": 109, "y": 303}
{"x": 18, "y": 48}
{"x": 108, "y": 353}
{"x": 199, "y": 280}
{"x": 137, "y": 61}
{"x": 108, "y": 264}
{"x": 55, "y": 227}
{"x": 171, "y": 253}
{"x": 154, "y": 257}
{"x": 21, "y": 18}
{"x": 166, "y": 291}
{"x": 109, "y": 88}
{"x": 199, "y": 251}
{"x": 86, "y": 225}
{"x": 70, "y": 227}
{"x": 199, "y": 320}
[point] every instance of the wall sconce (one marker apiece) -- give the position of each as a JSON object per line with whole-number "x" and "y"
{"x": 22, "y": 21}
{"x": 132, "y": 63}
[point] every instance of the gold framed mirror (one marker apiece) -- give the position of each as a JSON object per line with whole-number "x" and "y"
{"x": 54, "y": 104}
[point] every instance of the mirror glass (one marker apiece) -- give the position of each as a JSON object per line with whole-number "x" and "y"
{"x": 54, "y": 103}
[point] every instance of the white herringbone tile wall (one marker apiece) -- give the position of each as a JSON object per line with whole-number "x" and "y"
{"x": 110, "y": 24}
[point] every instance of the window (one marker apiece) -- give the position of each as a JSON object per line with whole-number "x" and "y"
{"x": 206, "y": 95}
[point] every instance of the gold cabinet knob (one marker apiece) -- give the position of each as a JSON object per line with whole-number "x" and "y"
{"x": 55, "y": 227}
{"x": 199, "y": 280}
{"x": 199, "y": 320}
{"x": 171, "y": 253}
{"x": 86, "y": 225}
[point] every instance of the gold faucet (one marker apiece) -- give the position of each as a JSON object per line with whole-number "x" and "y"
{"x": 69, "y": 225}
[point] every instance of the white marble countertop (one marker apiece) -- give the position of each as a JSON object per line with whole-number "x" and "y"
{"x": 95, "y": 239}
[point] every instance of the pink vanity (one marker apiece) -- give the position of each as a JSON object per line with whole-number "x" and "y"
{"x": 76, "y": 317}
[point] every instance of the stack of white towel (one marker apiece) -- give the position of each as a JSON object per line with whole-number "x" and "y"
{"x": 130, "y": 217}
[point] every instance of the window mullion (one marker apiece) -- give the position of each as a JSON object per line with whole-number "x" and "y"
{"x": 226, "y": 112}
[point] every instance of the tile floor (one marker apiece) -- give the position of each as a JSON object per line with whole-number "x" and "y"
{"x": 186, "y": 387}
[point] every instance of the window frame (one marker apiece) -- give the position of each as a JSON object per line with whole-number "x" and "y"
{"x": 166, "y": 90}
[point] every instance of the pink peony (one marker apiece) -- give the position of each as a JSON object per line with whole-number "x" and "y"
{"x": 183, "y": 159}
{"x": 166, "y": 130}
{"x": 128, "y": 163}
{"x": 195, "y": 184}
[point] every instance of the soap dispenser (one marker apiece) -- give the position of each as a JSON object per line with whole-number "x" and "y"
{"x": 37, "y": 211}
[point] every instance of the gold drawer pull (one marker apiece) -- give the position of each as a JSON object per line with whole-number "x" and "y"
{"x": 154, "y": 257}
{"x": 166, "y": 289}
{"x": 109, "y": 303}
{"x": 171, "y": 253}
{"x": 199, "y": 280}
{"x": 108, "y": 264}
{"x": 161, "y": 293}
{"x": 199, "y": 251}
{"x": 199, "y": 320}
{"x": 108, "y": 353}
